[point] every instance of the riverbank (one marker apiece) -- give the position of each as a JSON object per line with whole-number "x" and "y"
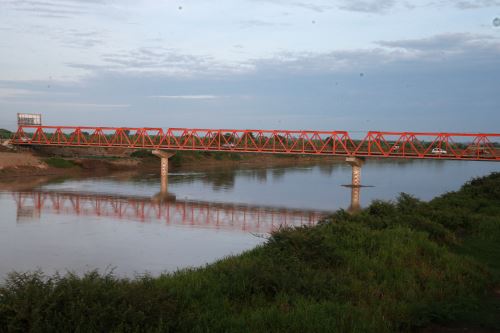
{"x": 81, "y": 162}
{"x": 393, "y": 267}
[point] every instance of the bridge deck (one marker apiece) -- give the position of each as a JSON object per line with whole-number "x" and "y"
{"x": 422, "y": 145}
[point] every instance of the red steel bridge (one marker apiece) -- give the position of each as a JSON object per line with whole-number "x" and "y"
{"x": 414, "y": 145}
{"x": 247, "y": 218}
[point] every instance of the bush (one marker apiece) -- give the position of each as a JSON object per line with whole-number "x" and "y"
{"x": 335, "y": 277}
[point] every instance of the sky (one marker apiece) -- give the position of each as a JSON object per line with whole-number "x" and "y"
{"x": 357, "y": 65}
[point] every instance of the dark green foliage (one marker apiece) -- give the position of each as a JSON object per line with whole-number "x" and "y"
{"x": 392, "y": 267}
{"x": 57, "y": 162}
{"x": 234, "y": 157}
{"x": 218, "y": 156}
{"x": 142, "y": 154}
{"x": 89, "y": 304}
{"x": 181, "y": 157}
{"x": 5, "y": 134}
{"x": 177, "y": 159}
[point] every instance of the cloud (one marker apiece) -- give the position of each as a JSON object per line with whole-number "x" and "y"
{"x": 448, "y": 50}
{"x": 169, "y": 62}
{"x": 452, "y": 79}
{"x": 26, "y": 90}
{"x": 442, "y": 41}
{"x": 69, "y": 104}
{"x": 188, "y": 97}
{"x": 259, "y": 23}
{"x": 47, "y": 8}
{"x": 81, "y": 39}
{"x": 311, "y": 6}
{"x": 163, "y": 61}
{"x": 7, "y": 93}
{"x": 383, "y": 6}
{"x": 456, "y": 43}
{"x": 369, "y": 6}
{"x": 474, "y": 4}
{"x": 464, "y": 4}
{"x": 54, "y": 8}
{"x": 372, "y": 6}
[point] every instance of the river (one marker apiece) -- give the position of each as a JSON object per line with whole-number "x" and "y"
{"x": 120, "y": 223}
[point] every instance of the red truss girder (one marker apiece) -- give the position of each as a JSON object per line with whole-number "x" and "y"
{"x": 463, "y": 146}
{"x": 201, "y": 214}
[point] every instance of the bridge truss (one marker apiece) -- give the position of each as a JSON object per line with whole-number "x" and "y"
{"x": 424, "y": 145}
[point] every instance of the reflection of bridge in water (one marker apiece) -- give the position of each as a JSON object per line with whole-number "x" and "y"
{"x": 248, "y": 218}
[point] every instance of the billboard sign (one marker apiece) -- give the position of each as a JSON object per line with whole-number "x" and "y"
{"x": 29, "y": 119}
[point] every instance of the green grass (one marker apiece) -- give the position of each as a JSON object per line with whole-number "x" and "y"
{"x": 484, "y": 246}
{"x": 57, "y": 162}
{"x": 393, "y": 267}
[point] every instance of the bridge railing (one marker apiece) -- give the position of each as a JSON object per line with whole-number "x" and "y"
{"x": 467, "y": 146}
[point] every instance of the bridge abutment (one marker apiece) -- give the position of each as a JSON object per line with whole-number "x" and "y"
{"x": 164, "y": 156}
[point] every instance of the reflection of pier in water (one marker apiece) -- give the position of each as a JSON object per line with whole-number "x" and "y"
{"x": 246, "y": 218}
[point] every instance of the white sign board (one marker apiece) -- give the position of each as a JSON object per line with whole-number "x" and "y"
{"x": 29, "y": 119}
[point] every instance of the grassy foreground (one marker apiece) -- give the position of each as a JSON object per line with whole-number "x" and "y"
{"x": 392, "y": 267}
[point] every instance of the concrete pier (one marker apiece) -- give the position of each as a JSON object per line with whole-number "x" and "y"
{"x": 356, "y": 164}
{"x": 164, "y": 156}
{"x": 355, "y": 200}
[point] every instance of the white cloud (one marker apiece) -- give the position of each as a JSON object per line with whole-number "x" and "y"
{"x": 13, "y": 92}
{"x": 195, "y": 97}
{"x": 370, "y": 6}
{"x": 474, "y": 4}
{"x": 69, "y": 104}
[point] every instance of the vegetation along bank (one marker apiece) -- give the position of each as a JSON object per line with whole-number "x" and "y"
{"x": 395, "y": 266}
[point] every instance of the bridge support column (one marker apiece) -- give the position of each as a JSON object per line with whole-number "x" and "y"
{"x": 164, "y": 156}
{"x": 356, "y": 164}
{"x": 355, "y": 199}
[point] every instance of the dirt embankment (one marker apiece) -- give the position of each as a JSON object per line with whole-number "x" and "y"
{"x": 15, "y": 160}
{"x": 76, "y": 162}
{"x": 14, "y": 165}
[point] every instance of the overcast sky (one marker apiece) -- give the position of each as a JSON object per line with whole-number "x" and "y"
{"x": 430, "y": 65}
